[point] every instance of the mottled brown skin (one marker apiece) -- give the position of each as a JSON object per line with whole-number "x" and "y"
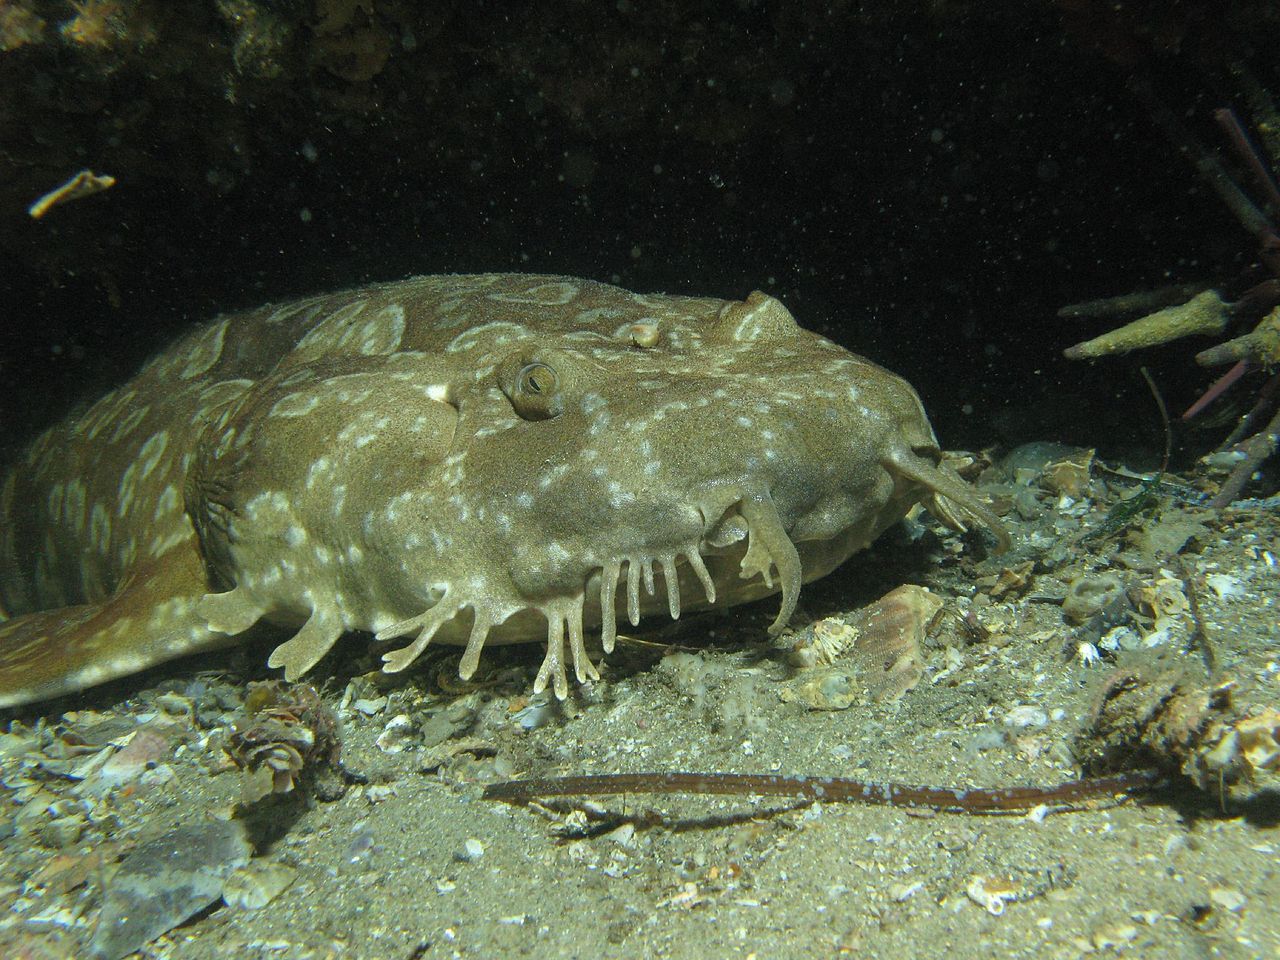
{"x": 466, "y": 459}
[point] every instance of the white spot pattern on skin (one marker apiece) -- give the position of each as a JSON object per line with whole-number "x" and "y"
{"x": 382, "y": 333}
{"x": 162, "y": 545}
{"x": 168, "y": 502}
{"x": 488, "y": 332}
{"x": 204, "y": 352}
{"x": 265, "y": 504}
{"x": 99, "y": 415}
{"x": 99, "y": 528}
{"x": 352, "y": 397}
{"x": 54, "y": 504}
{"x": 552, "y": 475}
{"x": 294, "y": 405}
{"x": 330, "y": 332}
{"x": 129, "y": 423}
{"x": 245, "y": 437}
{"x": 553, "y": 294}
{"x": 151, "y": 453}
{"x": 319, "y": 472}
{"x": 309, "y": 309}
{"x": 362, "y": 430}
{"x": 214, "y": 396}
{"x": 619, "y": 496}
{"x": 73, "y": 505}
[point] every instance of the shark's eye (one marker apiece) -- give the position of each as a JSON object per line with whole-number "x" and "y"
{"x": 536, "y": 379}
{"x": 537, "y": 392}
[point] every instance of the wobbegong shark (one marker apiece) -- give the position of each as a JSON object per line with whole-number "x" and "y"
{"x": 471, "y": 460}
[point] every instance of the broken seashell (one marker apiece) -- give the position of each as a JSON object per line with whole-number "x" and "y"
{"x": 828, "y": 640}
{"x": 1259, "y": 739}
{"x": 1162, "y": 600}
{"x": 1012, "y": 580}
{"x": 830, "y": 688}
{"x": 882, "y": 645}
{"x": 989, "y": 893}
{"x": 253, "y": 886}
{"x": 1070, "y": 476}
{"x": 1089, "y": 595}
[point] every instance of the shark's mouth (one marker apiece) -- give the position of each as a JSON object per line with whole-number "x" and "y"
{"x": 769, "y": 551}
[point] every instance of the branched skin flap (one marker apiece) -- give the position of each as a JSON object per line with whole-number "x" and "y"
{"x": 472, "y": 460}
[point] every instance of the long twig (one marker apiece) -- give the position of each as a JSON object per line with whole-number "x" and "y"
{"x": 1072, "y": 794}
{"x": 1199, "y": 633}
{"x": 1164, "y": 418}
{"x": 1249, "y": 422}
{"x": 1142, "y": 301}
{"x": 1256, "y": 449}
{"x": 1208, "y": 166}
{"x": 1248, "y": 154}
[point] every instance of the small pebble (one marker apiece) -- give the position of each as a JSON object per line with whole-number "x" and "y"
{"x": 904, "y": 891}
{"x": 1121, "y": 638}
{"x": 1025, "y": 716}
{"x": 396, "y": 735}
{"x": 253, "y": 887}
{"x": 369, "y": 707}
{"x": 471, "y": 851}
{"x": 1230, "y": 900}
{"x": 1224, "y": 585}
{"x": 1114, "y": 937}
{"x": 157, "y": 776}
{"x": 61, "y": 833}
{"x": 623, "y": 836}
{"x": 535, "y": 715}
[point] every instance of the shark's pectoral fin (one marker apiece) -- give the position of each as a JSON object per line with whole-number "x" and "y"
{"x": 304, "y": 649}
{"x": 151, "y": 618}
{"x": 231, "y": 612}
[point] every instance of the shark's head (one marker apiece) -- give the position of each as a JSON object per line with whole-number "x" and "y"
{"x": 537, "y": 480}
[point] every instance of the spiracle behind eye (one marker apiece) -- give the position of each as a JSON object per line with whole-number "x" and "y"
{"x": 537, "y": 392}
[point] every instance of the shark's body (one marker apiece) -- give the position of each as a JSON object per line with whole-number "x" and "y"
{"x": 494, "y": 458}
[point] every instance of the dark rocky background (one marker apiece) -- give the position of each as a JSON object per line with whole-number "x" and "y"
{"x": 926, "y": 183}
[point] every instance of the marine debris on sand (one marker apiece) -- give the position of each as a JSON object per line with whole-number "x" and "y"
{"x": 998, "y": 696}
{"x": 84, "y": 184}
